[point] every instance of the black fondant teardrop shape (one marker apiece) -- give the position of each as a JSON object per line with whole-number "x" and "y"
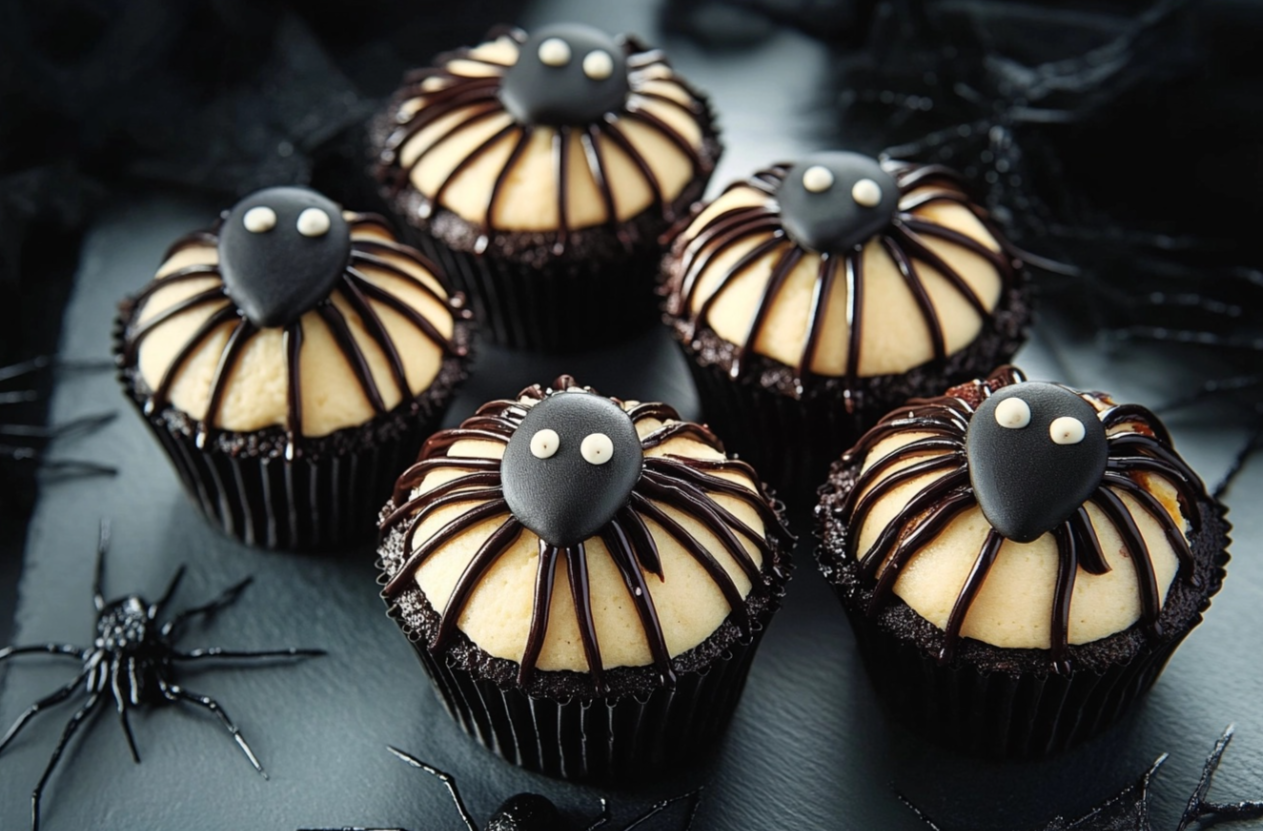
{"x": 1027, "y": 484}
{"x": 830, "y": 219}
{"x": 564, "y": 498}
{"x": 276, "y": 275}
{"x": 534, "y": 92}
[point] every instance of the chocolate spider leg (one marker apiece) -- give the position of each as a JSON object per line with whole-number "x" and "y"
{"x": 601, "y": 818}
{"x": 619, "y": 547}
{"x": 57, "y": 696}
{"x": 1200, "y": 808}
{"x": 72, "y": 726}
{"x": 1063, "y": 591}
{"x": 973, "y": 583}
{"x": 174, "y": 692}
{"x": 694, "y": 797}
{"x": 448, "y": 781}
{"x": 1118, "y": 515}
{"x": 486, "y": 556}
{"x": 577, "y": 570}
{"x": 226, "y": 599}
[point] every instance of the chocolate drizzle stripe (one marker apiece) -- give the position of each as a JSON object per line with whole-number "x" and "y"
{"x": 739, "y": 268}
{"x": 142, "y": 330}
{"x": 923, "y": 252}
{"x": 190, "y": 272}
{"x": 474, "y": 155}
{"x": 612, "y": 131}
{"x": 689, "y": 486}
{"x": 473, "y": 119}
{"x": 721, "y": 243}
{"x": 1132, "y": 454}
{"x": 687, "y": 108}
{"x": 195, "y": 341}
{"x": 377, "y": 331}
{"x": 589, "y": 141}
{"x": 580, "y": 592}
{"x": 541, "y": 606}
{"x": 366, "y": 259}
{"x": 860, "y": 509}
{"x": 854, "y": 324}
{"x": 418, "y": 320}
{"x": 293, "y": 343}
{"x": 822, "y": 290}
{"x": 524, "y": 138}
{"x": 973, "y": 583}
{"x": 561, "y": 157}
{"x": 1122, "y": 413}
{"x": 913, "y": 280}
{"x": 227, "y": 362}
{"x": 973, "y": 246}
{"x": 785, "y": 265}
{"x": 644, "y": 116}
{"x": 495, "y": 545}
{"x": 355, "y": 359}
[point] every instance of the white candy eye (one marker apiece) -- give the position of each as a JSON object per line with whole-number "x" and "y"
{"x": 866, "y": 193}
{"x": 545, "y": 443}
{"x": 817, "y": 179}
{"x": 313, "y": 222}
{"x": 1067, "y": 430}
{"x": 554, "y": 52}
{"x": 596, "y": 449}
{"x": 598, "y": 65}
{"x": 259, "y": 220}
{"x": 1013, "y": 413}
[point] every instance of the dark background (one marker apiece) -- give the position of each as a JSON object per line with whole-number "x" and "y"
{"x": 1120, "y": 138}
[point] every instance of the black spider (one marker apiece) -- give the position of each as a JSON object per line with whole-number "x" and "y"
{"x": 133, "y": 660}
{"x": 1128, "y": 810}
{"x": 530, "y": 811}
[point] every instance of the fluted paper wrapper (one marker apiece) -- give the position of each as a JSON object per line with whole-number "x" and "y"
{"x": 633, "y": 736}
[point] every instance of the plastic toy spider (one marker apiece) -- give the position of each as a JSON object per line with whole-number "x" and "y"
{"x": 133, "y": 660}
{"x": 530, "y": 811}
{"x": 1071, "y": 455}
{"x": 1129, "y": 809}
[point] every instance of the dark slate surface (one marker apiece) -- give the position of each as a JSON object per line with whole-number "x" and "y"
{"x": 811, "y": 747}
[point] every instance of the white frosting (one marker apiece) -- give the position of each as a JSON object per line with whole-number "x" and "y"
{"x": 1013, "y": 609}
{"x": 545, "y": 443}
{"x": 259, "y": 220}
{"x": 817, "y": 179}
{"x": 554, "y": 52}
{"x": 257, "y": 391}
{"x": 598, "y": 65}
{"x": 313, "y": 222}
{"x": 866, "y": 192}
{"x": 1066, "y": 430}
{"x": 498, "y": 615}
{"x": 894, "y": 335}
{"x": 596, "y": 449}
{"x": 528, "y": 197}
{"x": 1013, "y": 413}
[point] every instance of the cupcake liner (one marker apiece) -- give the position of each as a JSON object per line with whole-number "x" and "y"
{"x": 562, "y": 306}
{"x": 1006, "y": 703}
{"x": 792, "y": 438}
{"x": 631, "y": 736}
{"x": 327, "y": 496}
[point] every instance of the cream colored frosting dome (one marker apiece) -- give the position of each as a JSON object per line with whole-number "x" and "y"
{"x": 292, "y": 313}
{"x": 565, "y": 530}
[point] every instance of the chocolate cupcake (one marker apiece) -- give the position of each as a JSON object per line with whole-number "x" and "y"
{"x": 541, "y": 170}
{"x": 813, "y": 297}
{"x": 287, "y": 361}
{"x": 1018, "y": 560}
{"x": 585, "y": 580}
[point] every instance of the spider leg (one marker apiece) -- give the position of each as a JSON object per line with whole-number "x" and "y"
{"x": 120, "y": 702}
{"x": 226, "y": 599}
{"x": 72, "y": 727}
{"x": 174, "y": 692}
{"x": 24, "y": 368}
{"x": 446, "y": 778}
{"x": 56, "y": 697}
{"x": 693, "y": 797}
{"x": 601, "y": 818}
{"x": 79, "y": 425}
{"x": 216, "y": 652}
{"x": 98, "y": 578}
{"x": 167, "y": 594}
{"x": 1198, "y": 806}
{"x": 68, "y": 650}
{"x": 921, "y": 815}
{"x": 1243, "y": 455}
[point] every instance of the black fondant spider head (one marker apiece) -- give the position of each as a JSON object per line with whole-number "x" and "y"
{"x": 832, "y": 202}
{"x": 566, "y": 74}
{"x": 571, "y": 466}
{"x": 1036, "y": 452}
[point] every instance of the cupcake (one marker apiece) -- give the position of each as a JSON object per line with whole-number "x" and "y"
{"x": 1018, "y": 560}
{"x": 541, "y": 170}
{"x": 812, "y": 297}
{"x": 585, "y": 580}
{"x": 287, "y": 361}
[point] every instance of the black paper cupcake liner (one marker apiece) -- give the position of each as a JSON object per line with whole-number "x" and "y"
{"x": 327, "y": 496}
{"x": 792, "y": 439}
{"x": 1007, "y": 703}
{"x": 562, "y": 306}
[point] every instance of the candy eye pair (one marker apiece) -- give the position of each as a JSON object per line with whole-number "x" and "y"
{"x": 865, "y": 192}
{"x": 1014, "y": 413}
{"x": 596, "y": 448}
{"x": 312, "y": 222}
{"x": 597, "y": 64}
